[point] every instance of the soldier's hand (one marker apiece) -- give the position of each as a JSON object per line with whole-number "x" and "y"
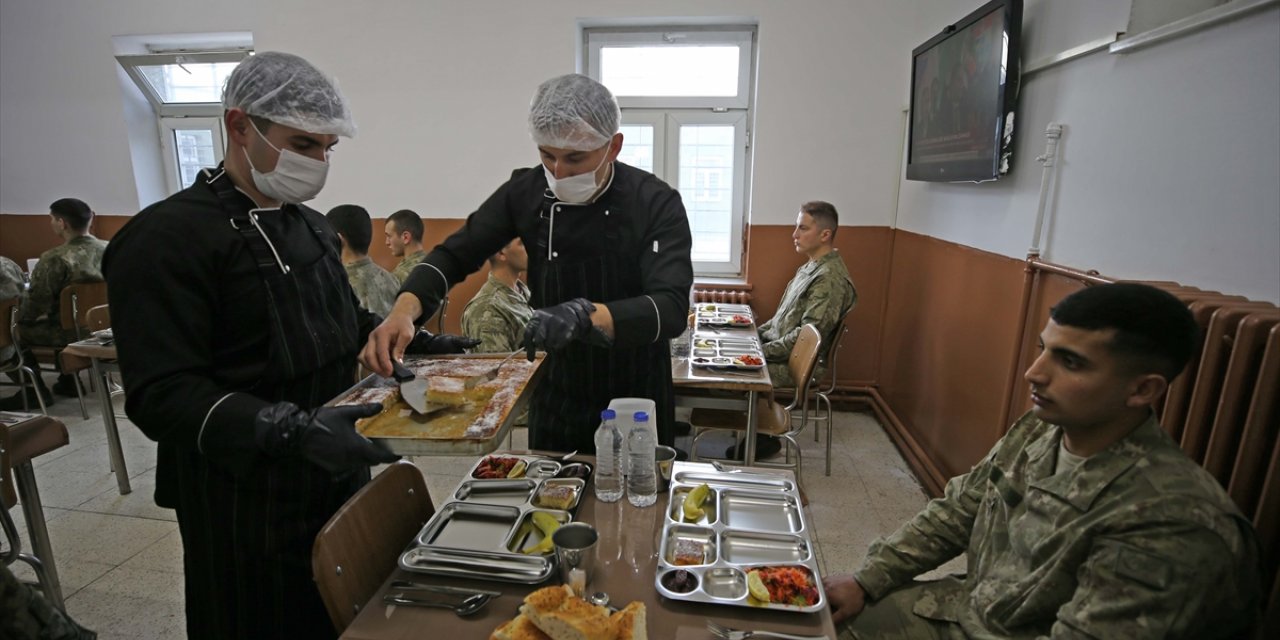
{"x": 845, "y": 595}
{"x": 389, "y": 340}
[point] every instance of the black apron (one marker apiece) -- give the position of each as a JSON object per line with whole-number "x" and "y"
{"x": 599, "y": 265}
{"x": 247, "y": 540}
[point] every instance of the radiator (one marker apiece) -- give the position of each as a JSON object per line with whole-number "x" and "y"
{"x": 731, "y": 296}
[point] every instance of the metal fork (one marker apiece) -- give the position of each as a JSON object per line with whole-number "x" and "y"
{"x": 721, "y": 631}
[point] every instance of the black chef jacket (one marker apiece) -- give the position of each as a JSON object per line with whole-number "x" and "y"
{"x": 629, "y": 249}
{"x": 190, "y": 318}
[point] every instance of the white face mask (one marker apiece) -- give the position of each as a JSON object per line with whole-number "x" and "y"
{"x": 575, "y": 189}
{"x": 296, "y": 177}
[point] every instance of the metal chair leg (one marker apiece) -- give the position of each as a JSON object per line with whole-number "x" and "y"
{"x": 84, "y": 411}
{"x": 34, "y": 513}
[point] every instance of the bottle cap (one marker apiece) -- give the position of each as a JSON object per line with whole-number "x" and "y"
{"x": 641, "y": 416}
{"x": 608, "y": 414}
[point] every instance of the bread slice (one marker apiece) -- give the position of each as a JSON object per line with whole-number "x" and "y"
{"x": 518, "y": 628}
{"x": 629, "y": 624}
{"x": 563, "y": 616}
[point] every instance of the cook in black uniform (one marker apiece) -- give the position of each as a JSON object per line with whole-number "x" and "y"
{"x": 235, "y": 322}
{"x": 609, "y": 268}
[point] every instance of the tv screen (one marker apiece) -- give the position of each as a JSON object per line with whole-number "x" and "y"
{"x": 964, "y": 86}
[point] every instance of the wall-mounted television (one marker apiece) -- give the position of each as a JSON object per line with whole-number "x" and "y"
{"x": 964, "y": 87}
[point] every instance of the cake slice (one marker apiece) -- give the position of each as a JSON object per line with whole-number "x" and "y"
{"x": 446, "y": 390}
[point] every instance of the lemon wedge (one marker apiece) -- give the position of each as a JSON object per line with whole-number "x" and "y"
{"x": 755, "y": 586}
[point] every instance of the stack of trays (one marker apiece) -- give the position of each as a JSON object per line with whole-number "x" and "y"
{"x": 488, "y": 523}
{"x": 752, "y": 521}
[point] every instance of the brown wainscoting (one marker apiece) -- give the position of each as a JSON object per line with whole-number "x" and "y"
{"x": 949, "y": 344}
{"x": 23, "y": 237}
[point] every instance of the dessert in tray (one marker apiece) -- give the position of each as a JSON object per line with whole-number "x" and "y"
{"x": 737, "y": 538}
{"x": 472, "y": 411}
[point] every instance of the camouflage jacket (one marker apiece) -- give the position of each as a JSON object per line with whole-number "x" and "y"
{"x": 374, "y": 286}
{"x": 821, "y": 293}
{"x": 407, "y": 264}
{"x": 1137, "y": 542}
{"x": 77, "y": 260}
{"x": 10, "y": 280}
{"x": 497, "y": 316}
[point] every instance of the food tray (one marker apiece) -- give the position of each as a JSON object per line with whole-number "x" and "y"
{"x": 474, "y": 428}
{"x": 722, "y": 307}
{"x": 726, "y": 352}
{"x": 752, "y": 519}
{"x": 725, "y": 319}
{"x": 481, "y": 532}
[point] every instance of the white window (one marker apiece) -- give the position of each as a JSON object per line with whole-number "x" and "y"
{"x": 185, "y": 90}
{"x": 685, "y": 95}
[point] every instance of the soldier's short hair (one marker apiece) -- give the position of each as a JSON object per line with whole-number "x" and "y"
{"x": 407, "y": 220}
{"x": 353, "y": 222}
{"x": 1153, "y": 329}
{"x": 824, "y": 214}
{"x": 72, "y": 211}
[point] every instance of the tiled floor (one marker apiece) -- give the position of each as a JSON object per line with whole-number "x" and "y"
{"x": 120, "y": 557}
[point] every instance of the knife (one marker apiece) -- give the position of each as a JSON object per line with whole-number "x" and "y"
{"x": 406, "y": 585}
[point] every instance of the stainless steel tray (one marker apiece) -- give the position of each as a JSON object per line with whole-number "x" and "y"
{"x": 752, "y": 519}
{"x": 482, "y": 532}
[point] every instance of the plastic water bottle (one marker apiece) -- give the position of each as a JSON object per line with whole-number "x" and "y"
{"x": 608, "y": 458}
{"x": 642, "y": 486}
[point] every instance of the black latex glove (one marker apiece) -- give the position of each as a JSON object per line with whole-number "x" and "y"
{"x": 428, "y": 344}
{"x": 555, "y": 327}
{"x": 326, "y": 436}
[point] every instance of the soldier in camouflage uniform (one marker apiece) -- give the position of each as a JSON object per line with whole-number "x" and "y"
{"x": 1086, "y": 520}
{"x": 374, "y": 286}
{"x": 500, "y": 310}
{"x": 404, "y": 237}
{"x": 820, "y": 293}
{"x": 10, "y": 287}
{"x": 77, "y": 259}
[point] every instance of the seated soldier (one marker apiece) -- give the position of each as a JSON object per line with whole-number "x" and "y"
{"x": 404, "y": 238}
{"x": 375, "y": 287}
{"x": 1086, "y": 520}
{"x": 10, "y": 287}
{"x": 498, "y": 313}
{"x": 820, "y": 293}
{"x": 77, "y": 259}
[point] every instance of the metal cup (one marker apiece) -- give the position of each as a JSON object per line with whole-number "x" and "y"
{"x": 664, "y": 458}
{"x": 575, "y": 545}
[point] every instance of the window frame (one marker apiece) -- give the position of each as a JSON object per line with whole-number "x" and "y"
{"x": 133, "y": 63}
{"x": 668, "y": 113}
{"x": 169, "y": 149}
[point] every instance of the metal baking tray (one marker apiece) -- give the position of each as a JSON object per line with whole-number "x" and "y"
{"x": 752, "y": 519}
{"x": 482, "y": 532}
{"x": 467, "y": 430}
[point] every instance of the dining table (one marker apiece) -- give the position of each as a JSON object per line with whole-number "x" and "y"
{"x": 722, "y": 388}
{"x": 100, "y": 355}
{"x": 626, "y": 567}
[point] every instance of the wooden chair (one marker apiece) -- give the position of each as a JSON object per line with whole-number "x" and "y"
{"x": 19, "y": 444}
{"x": 8, "y": 320}
{"x": 361, "y": 544}
{"x": 772, "y": 418}
{"x": 824, "y": 389}
{"x": 74, "y": 305}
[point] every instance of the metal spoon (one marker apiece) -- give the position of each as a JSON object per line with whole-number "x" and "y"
{"x": 565, "y": 457}
{"x": 469, "y": 606}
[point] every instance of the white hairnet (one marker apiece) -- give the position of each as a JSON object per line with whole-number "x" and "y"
{"x": 573, "y": 112}
{"x": 288, "y": 90}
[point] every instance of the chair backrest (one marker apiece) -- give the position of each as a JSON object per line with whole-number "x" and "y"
{"x": 77, "y": 299}
{"x": 361, "y": 544}
{"x": 804, "y": 357}
{"x": 98, "y": 318}
{"x": 8, "y": 497}
{"x": 8, "y": 315}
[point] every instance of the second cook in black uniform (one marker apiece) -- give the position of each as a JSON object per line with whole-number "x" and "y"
{"x": 609, "y": 268}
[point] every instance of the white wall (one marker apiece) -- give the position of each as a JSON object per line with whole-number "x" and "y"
{"x": 1170, "y": 159}
{"x": 440, "y": 90}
